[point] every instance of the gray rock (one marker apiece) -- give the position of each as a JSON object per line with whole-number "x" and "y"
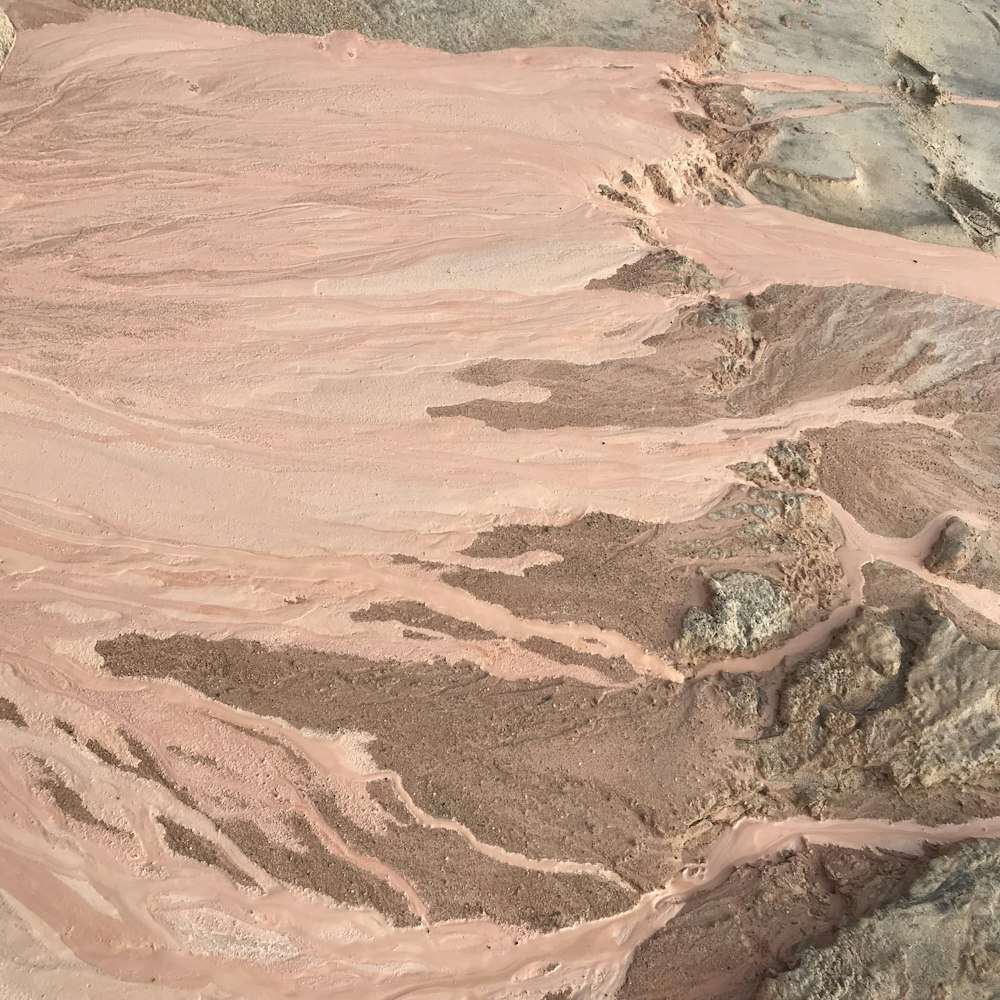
{"x": 6, "y": 37}
{"x": 940, "y": 941}
{"x": 795, "y": 463}
{"x": 746, "y": 610}
{"x": 953, "y": 548}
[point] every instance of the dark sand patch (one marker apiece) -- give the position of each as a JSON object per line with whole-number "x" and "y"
{"x": 457, "y": 882}
{"x": 418, "y": 615}
{"x": 402, "y": 559}
{"x": 727, "y": 940}
{"x": 99, "y": 750}
{"x": 69, "y": 801}
{"x": 895, "y": 720}
{"x": 972, "y": 394}
{"x": 183, "y": 840}
{"x": 614, "y": 668}
{"x": 29, "y": 14}
{"x": 831, "y": 339}
{"x": 147, "y": 767}
{"x": 661, "y": 272}
{"x": 671, "y": 386}
{"x": 894, "y": 478}
{"x": 554, "y": 769}
{"x": 462, "y": 26}
{"x": 756, "y": 356}
{"x": 316, "y": 868}
{"x": 194, "y": 758}
{"x": 9, "y": 712}
{"x": 384, "y": 794}
{"x": 640, "y": 578}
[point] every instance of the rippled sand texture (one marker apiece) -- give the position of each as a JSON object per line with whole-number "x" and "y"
{"x": 457, "y": 542}
{"x": 887, "y": 118}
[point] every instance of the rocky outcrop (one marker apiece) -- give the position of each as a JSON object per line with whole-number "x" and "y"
{"x": 662, "y": 272}
{"x": 794, "y": 462}
{"x": 787, "y": 461}
{"x": 938, "y": 942}
{"x": 746, "y": 610}
{"x": 953, "y": 548}
{"x": 900, "y": 710}
{"x": 966, "y": 554}
{"x": 6, "y": 37}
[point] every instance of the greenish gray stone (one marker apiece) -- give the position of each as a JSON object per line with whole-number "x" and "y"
{"x": 746, "y": 610}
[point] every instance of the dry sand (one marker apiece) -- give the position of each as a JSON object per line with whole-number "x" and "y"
{"x": 455, "y": 538}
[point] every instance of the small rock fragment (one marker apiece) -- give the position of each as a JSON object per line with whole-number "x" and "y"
{"x": 953, "y": 549}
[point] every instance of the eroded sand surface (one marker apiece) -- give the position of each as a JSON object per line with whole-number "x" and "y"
{"x": 457, "y": 541}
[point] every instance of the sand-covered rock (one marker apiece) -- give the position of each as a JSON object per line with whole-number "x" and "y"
{"x": 939, "y": 940}
{"x": 953, "y": 548}
{"x": 905, "y": 158}
{"x": 6, "y": 36}
{"x": 745, "y": 611}
{"x": 966, "y": 554}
